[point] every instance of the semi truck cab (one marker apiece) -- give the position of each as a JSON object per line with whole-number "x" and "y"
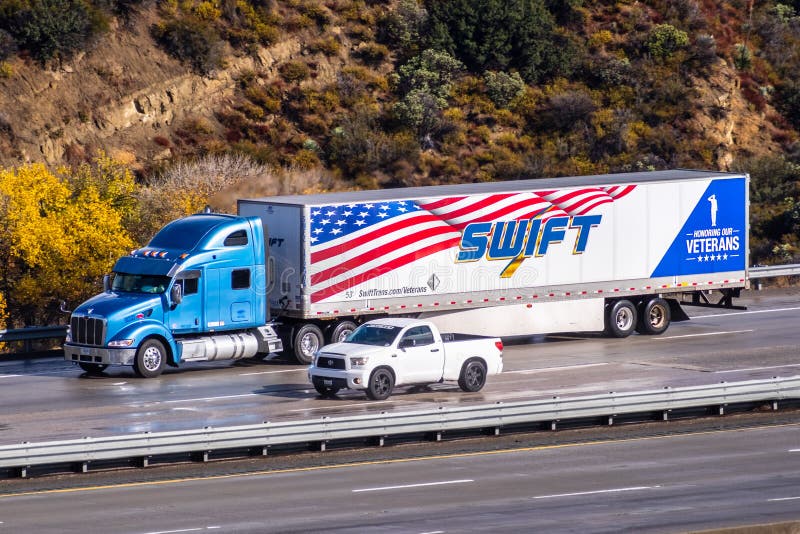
{"x": 196, "y": 292}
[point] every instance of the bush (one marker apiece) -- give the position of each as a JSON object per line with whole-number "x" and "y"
{"x": 191, "y": 41}
{"x": 46, "y": 36}
{"x": 372, "y": 53}
{"x": 294, "y": 71}
{"x": 742, "y": 58}
{"x": 787, "y": 100}
{"x": 664, "y": 40}
{"x": 502, "y": 87}
{"x": 567, "y": 110}
{"x": 8, "y": 45}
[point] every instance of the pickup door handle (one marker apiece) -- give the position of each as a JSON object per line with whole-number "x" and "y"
{"x": 434, "y": 350}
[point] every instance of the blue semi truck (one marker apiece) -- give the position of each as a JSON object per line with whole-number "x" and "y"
{"x": 196, "y": 292}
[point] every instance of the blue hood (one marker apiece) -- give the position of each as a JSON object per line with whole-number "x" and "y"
{"x": 117, "y": 307}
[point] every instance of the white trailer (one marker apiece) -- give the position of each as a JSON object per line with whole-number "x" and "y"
{"x": 611, "y": 253}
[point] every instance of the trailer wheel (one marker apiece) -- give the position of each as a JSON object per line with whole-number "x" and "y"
{"x": 473, "y": 376}
{"x": 381, "y": 383}
{"x": 93, "y": 369}
{"x": 149, "y": 361}
{"x": 342, "y": 330}
{"x": 307, "y": 341}
{"x": 621, "y": 318}
{"x": 654, "y": 317}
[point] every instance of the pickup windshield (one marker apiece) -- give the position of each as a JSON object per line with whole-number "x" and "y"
{"x": 374, "y": 334}
{"x": 139, "y": 283}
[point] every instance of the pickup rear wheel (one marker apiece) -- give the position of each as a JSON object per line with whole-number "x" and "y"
{"x": 307, "y": 341}
{"x": 93, "y": 369}
{"x": 381, "y": 383}
{"x": 473, "y": 376}
{"x": 150, "y": 357}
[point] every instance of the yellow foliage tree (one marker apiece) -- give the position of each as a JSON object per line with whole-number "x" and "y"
{"x": 59, "y": 233}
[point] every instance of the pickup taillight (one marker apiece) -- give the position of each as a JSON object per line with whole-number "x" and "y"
{"x": 499, "y": 345}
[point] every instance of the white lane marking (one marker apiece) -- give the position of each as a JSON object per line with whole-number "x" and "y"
{"x": 759, "y": 368}
{"x": 119, "y": 383}
{"x": 550, "y": 369}
{"x": 433, "y": 532}
{"x": 384, "y": 488}
{"x": 615, "y": 490}
{"x": 9, "y": 376}
{"x": 274, "y": 372}
{"x": 746, "y": 312}
{"x": 213, "y": 398}
{"x": 783, "y": 499}
{"x": 357, "y": 404}
{"x": 662, "y": 338}
{"x": 198, "y": 529}
{"x": 794, "y": 450}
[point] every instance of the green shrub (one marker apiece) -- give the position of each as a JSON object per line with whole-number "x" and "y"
{"x": 191, "y": 41}
{"x": 372, "y": 53}
{"x": 294, "y": 71}
{"x": 329, "y": 46}
{"x": 8, "y": 46}
{"x": 46, "y": 36}
{"x": 664, "y": 40}
{"x": 742, "y": 58}
{"x": 502, "y": 87}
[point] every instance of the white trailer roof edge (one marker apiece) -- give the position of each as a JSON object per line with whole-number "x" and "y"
{"x": 409, "y": 193}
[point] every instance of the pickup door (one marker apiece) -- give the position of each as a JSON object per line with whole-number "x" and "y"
{"x": 420, "y": 356}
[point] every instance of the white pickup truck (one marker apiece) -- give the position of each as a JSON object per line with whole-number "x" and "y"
{"x": 389, "y": 352}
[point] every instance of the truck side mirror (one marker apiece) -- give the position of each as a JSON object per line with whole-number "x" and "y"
{"x": 176, "y": 294}
{"x": 106, "y": 283}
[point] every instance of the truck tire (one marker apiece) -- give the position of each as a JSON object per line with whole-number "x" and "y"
{"x": 473, "y": 376}
{"x": 654, "y": 317}
{"x": 621, "y": 318}
{"x": 342, "y": 330}
{"x": 92, "y": 369}
{"x": 381, "y": 384}
{"x": 307, "y": 341}
{"x": 150, "y": 358}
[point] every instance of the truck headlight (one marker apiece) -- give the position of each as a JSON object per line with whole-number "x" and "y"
{"x": 120, "y": 343}
{"x": 359, "y": 361}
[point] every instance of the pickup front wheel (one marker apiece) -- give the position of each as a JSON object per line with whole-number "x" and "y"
{"x": 150, "y": 358}
{"x": 473, "y": 376}
{"x": 381, "y": 383}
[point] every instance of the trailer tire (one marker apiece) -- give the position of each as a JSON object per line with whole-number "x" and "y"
{"x": 150, "y": 358}
{"x": 307, "y": 341}
{"x": 621, "y": 318}
{"x": 654, "y": 317}
{"x": 381, "y": 384}
{"x": 341, "y": 330}
{"x": 93, "y": 369}
{"x": 473, "y": 376}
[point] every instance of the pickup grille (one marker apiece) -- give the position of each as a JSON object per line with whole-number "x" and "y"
{"x": 87, "y": 330}
{"x": 330, "y": 362}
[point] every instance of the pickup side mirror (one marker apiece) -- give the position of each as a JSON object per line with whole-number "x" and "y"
{"x": 176, "y": 294}
{"x": 405, "y": 343}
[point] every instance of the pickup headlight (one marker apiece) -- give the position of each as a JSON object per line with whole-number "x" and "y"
{"x": 121, "y": 343}
{"x": 359, "y": 361}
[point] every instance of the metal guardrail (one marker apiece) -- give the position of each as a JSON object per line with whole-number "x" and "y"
{"x": 33, "y": 333}
{"x": 766, "y": 271}
{"x": 378, "y": 426}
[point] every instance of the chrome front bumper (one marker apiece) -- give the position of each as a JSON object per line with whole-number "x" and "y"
{"x": 99, "y": 355}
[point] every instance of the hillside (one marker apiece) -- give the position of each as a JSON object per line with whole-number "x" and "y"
{"x": 297, "y": 95}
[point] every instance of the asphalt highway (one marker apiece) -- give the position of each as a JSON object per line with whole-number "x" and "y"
{"x": 659, "y": 484}
{"x": 49, "y": 399}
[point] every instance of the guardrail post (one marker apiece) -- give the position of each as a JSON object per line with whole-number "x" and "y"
{"x": 200, "y": 456}
{"x": 144, "y": 461}
{"x": 23, "y": 471}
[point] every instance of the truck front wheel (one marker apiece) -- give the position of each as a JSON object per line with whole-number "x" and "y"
{"x": 654, "y": 317}
{"x": 93, "y": 369}
{"x": 149, "y": 361}
{"x": 381, "y": 383}
{"x": 473, "y": 376}
{"x": 307, "y": 341}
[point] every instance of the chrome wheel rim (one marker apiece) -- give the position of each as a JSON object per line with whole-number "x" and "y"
{"x": 151, "y": 360}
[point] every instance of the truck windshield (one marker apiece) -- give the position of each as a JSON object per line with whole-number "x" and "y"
{"x": 374, "y": 334}
{"x": 139, "y": 283}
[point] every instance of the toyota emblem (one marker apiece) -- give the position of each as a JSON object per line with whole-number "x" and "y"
{"x": 330, "y": 363}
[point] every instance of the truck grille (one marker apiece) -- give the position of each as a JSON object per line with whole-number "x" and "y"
{"x": 328, "y": 362}
{"x": 87, "y": 330}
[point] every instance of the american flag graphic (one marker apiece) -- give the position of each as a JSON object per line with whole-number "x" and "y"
{"x": 354, "y": 243}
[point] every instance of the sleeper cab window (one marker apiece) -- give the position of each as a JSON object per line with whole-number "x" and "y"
{"x": 236, "y": 239}
{"x": 240, "y": 279}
